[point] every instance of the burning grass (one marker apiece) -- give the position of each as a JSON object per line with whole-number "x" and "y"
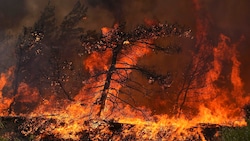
{"x": 40, "y": 128}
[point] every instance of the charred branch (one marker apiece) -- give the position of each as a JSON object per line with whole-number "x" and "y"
{"x": 152, "y": 76}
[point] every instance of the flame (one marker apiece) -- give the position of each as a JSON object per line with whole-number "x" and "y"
{"x": 137, "y": 51}
{"x": 97, "y": 61}
{"x": 26, "y": 94}
{"x": 100, "y": 62}
{"x": 105, "y": 30}
{"x": 228, "y": 103}
{"x": 5, "y": 101}
{"x": 83, "y": 109}
{"x": 223, "y": 105}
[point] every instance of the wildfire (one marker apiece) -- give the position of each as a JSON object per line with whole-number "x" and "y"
{"x": 218, "y": 110}
{"x": 214, "y": 103}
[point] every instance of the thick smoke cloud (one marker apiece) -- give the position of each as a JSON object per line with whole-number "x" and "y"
{"x": 227, "y": 16}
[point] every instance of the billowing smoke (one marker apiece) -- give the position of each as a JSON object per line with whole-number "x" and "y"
{"x": 227, "y": 16}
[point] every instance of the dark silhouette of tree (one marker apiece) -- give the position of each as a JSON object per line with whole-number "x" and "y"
{"x": 42, "y": 59}
{"x": 192, "y": 79}
{"x": 118, "y": 41}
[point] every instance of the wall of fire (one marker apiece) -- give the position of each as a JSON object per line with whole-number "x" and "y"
{"x": 226, "y": 16}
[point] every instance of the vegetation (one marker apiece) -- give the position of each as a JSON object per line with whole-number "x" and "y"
{"x": 236, "y": 133}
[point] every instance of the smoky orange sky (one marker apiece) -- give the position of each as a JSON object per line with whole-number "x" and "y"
{"x": 229, "y": 17}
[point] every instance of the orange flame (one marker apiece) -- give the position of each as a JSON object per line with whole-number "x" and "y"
{"x": 27, "y": 94}
{"x": 98, "y": 61}
{"x": 5, "y": 101}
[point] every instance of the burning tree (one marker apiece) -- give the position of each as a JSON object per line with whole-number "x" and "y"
{"x": 47, "y": 64}
{"x": 124, "y": 50}
{"x": 45, "y": 59}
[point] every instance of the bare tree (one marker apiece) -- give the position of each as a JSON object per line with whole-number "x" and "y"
{"x": 192, "y": 79}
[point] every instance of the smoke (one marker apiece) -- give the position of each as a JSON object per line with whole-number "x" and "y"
{"x": 11, "y": 14}
{"x": 114, "y": 6}
{"x": 228, "y": 17}
{"x": 16, "y": 14}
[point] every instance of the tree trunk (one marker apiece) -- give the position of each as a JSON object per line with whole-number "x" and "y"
{"x": 110, "y": 72}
